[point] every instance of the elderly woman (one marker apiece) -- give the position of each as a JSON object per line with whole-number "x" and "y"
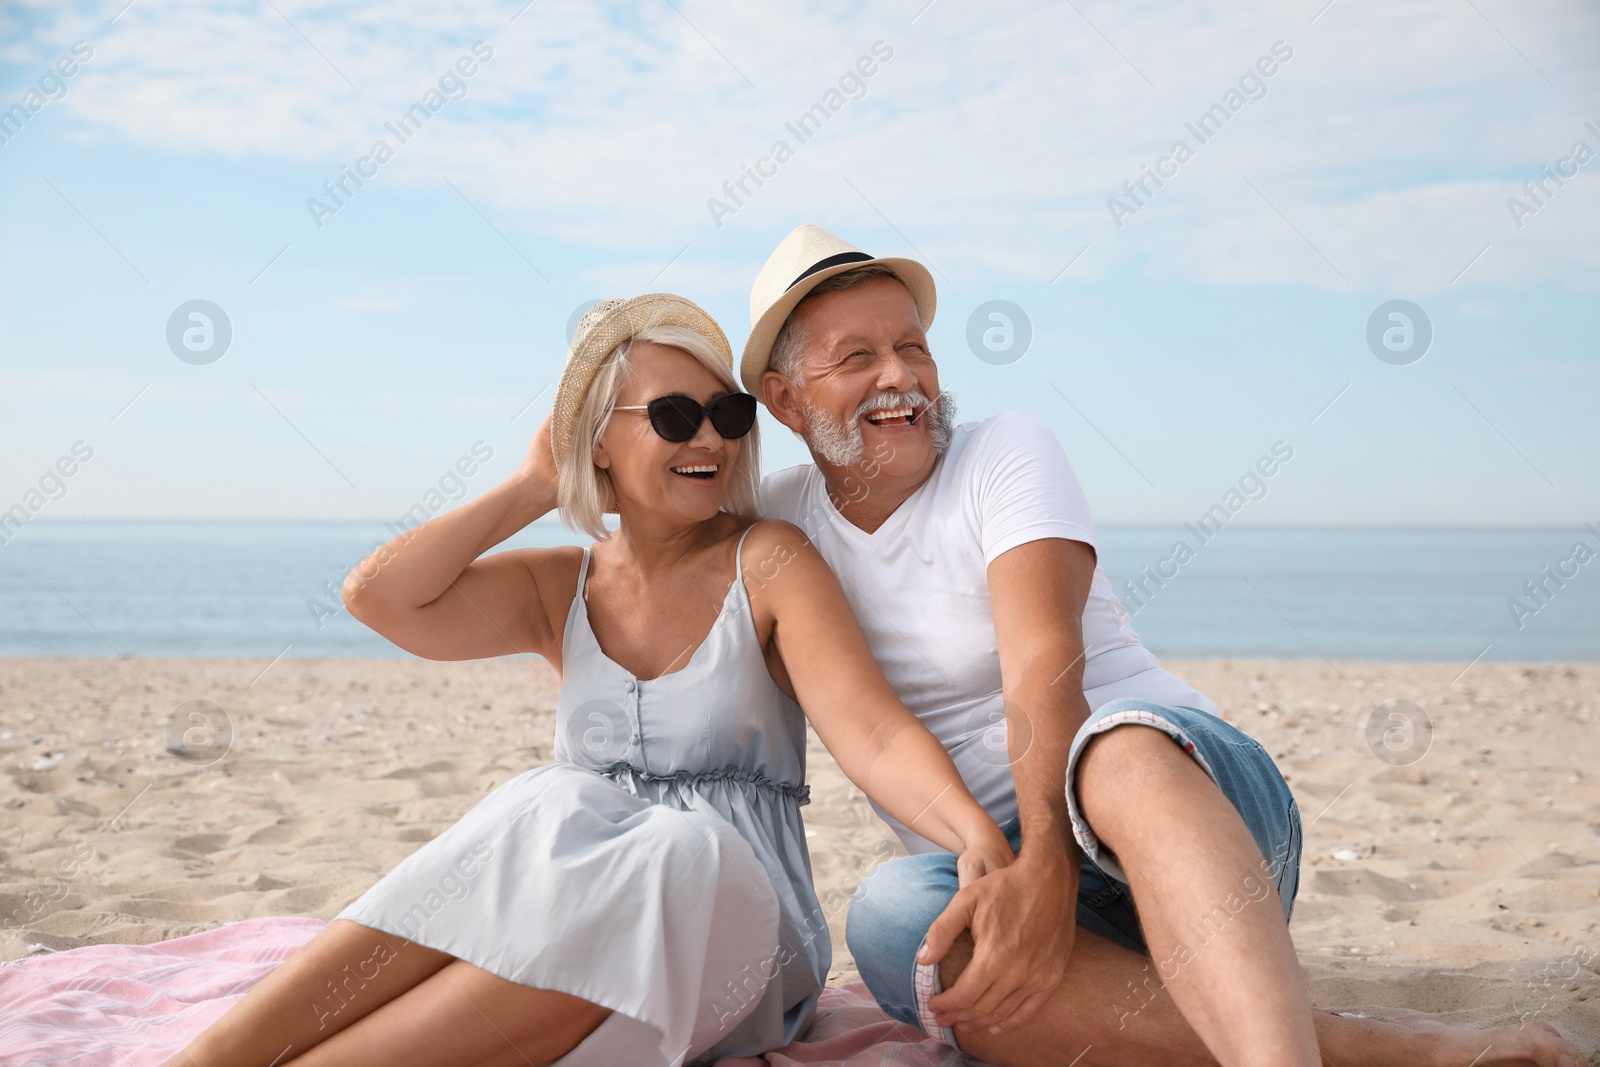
{"x": 646, "y": 898}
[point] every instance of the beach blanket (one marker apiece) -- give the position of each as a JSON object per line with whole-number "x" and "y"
{"x": 135, "y": 1005}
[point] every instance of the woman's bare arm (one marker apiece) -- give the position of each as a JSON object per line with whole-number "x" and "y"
{"x": 879, "y": 744}
{"x": 429, "y": 592}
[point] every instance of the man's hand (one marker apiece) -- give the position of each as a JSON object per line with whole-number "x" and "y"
{"x": 1023, "y": 920}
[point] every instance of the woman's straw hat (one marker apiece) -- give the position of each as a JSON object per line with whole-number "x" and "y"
{"x": 808, "y": 256}
{"x": 605, "y": 326}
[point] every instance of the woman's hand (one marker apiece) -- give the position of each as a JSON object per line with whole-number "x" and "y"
{"x": 983, "y": 858}
{"x": 537, "y": 476}
{"x": 433, "y": 589}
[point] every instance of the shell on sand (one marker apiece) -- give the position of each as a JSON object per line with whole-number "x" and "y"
{"x": 1450, "y": 867}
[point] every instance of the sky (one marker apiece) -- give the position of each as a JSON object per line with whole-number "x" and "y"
{"x": 1314, "y": 163}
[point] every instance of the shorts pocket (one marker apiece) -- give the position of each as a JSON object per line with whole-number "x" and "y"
{"x": 1105, "y": 897}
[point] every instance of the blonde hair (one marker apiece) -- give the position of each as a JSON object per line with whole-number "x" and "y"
{"x": 584, "y": 492}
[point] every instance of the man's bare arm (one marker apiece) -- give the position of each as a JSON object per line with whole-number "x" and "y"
{"x": 1023, "y": 920}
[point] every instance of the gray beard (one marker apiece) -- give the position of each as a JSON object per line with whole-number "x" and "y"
{"x": 841, "y": 443}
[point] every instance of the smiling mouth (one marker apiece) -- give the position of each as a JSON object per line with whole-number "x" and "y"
{"x": 703, "y": 472}
{"x": 904, "y": 415}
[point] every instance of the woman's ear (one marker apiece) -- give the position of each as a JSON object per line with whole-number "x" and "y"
{"x": 601, "y": 458}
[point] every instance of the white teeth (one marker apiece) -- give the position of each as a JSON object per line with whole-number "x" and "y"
{"x": 704, "y": 469}
{"x": 889, "y": 413}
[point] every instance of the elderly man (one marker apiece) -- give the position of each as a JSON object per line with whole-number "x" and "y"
{"x": 1145, "y": 917}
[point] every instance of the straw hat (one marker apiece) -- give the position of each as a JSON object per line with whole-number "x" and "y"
{"x": 605, "y": 326}
{"x": 807, "y": 257}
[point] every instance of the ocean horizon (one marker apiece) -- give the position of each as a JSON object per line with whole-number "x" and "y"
{"x": 269, "y": 588}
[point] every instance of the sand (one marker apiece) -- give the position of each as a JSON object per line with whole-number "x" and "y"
{"x": 1461, "y": 879}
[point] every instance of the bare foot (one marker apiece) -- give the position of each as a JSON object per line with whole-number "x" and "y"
{"x": 1532, "y": 1044}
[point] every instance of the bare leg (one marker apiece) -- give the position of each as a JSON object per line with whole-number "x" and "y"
{"x": 413, "y": 1005}
{"x": 1208, "y": 913}
{"x": 1090, "y": 1015}
{"x": 463, "y": 1016}
{"x": 345, "y": 972}
{"x": 1113, "y": 1003}
{"x": 1082, "y": 1018}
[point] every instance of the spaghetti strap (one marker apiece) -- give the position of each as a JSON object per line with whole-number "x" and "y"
{"x": 738, "y": 553}
{"x": 583, "y": 574}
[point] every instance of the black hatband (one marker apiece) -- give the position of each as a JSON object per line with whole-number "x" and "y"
{"x": 831, "y": 261}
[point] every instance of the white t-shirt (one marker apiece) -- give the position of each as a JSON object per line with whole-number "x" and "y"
{"x": 919, "y": 588}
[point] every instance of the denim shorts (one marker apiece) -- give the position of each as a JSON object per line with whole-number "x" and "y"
{"x": 895, "y": 905}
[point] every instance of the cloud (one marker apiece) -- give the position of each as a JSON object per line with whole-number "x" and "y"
{"x": 1383, "y": 151}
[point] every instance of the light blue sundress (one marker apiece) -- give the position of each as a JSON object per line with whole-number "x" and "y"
{"x": 658, "y": 867}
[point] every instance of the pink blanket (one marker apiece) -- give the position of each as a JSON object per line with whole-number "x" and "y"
{"x": 135, "y": 1005}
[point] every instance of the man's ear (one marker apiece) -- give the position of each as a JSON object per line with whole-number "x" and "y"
{"x": 783, "y": 400}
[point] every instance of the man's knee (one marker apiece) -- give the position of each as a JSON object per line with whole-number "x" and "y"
{"x": 1120, "y": 762}
{"x": 889, "y": 916}
{"x": 1117, "y": 771}
{"x": 887, "y": 910}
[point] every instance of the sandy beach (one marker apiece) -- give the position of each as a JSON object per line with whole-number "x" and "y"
{"x": 1457, "y": 874}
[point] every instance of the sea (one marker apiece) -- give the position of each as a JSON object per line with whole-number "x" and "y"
{"x": 271, "y": 589}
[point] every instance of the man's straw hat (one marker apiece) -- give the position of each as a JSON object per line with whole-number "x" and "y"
{"x": 605, "y": 326}
{"x": 808, "y": 256}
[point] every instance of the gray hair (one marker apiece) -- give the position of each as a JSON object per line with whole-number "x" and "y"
{"x": 790, "y": 344}
{"x": 584, "y": 492}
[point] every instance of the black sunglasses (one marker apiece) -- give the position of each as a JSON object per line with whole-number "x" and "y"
{"x": 677, "y": 418}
